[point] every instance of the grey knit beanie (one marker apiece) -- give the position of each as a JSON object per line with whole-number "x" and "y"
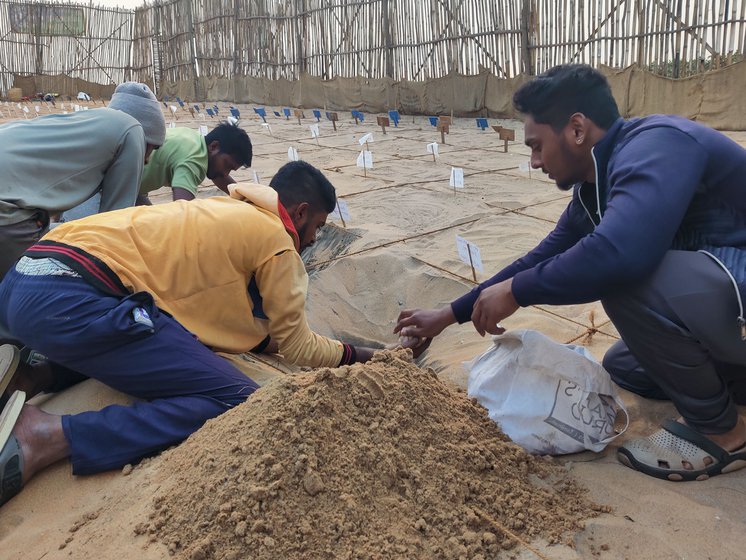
{"x": 138, "y": 101}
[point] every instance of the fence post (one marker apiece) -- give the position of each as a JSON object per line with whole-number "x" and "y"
{"x": 300, "y": 34}
{"x": 388, "y": 51}
{"x": 193, "y": 46}
{"x": 526, "y": 55}
{"x": 235, "y": 50}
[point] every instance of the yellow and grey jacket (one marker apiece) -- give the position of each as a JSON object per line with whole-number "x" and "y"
{"x": 228, "y": 269}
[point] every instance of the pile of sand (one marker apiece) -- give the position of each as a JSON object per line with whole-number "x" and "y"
{"x": 370, "y": 461}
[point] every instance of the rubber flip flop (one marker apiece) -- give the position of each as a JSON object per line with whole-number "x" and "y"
{"x": 10, "y": 357}
{"x": 662, "y": 454}
{"x": 11, "y": 458}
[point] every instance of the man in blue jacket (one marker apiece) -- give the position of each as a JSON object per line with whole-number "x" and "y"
{"x": 656, "y": 229}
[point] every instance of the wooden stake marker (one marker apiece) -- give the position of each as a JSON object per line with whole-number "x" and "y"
{"x": 341, "y": 212}
{"x": 383, "y": 122}
{"x": 432, "y": 148}
{"x": 334, "y": 117}
{"x": 444, "y": 129}
{"x": 469, "y": 254}
{"x": 299, "y": 115}
{"x": 507, "y": 135}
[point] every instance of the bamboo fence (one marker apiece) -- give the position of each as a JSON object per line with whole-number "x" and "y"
{"x": 184, "y": 40}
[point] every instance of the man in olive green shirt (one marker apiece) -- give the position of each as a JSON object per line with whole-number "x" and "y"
{"x": 187, "y": 157}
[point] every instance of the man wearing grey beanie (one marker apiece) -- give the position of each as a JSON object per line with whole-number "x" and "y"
{"x": 56, "y": 162}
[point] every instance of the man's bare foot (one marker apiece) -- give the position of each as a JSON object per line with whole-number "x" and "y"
{"x": 733, "y": 439}
{"x": 730, "y": 440}
{"x": 41, "y": 439}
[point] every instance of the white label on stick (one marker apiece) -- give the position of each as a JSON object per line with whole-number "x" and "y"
{"x": 293, "y": 154}
{"x": 466, "y": 250}
{"x": 432, "y": 148}
{"x": 37, "y": 108}
{"x": 365, "y": 159}
{"x": 256, "y": 178}
{"x": 25, "y": 109}
{"x": 342, "y": 209}
{"x": 172, "y": 124}
{"x": 203, "y": 130}
{"x": 314, "y": 128}
{"x": 173, "y": 108}
{"x": 524, "y": 167}
{"x": 457, "y": 177}
{"x": 366, "y": 138}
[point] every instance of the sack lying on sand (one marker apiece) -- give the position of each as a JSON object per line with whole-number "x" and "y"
{"x": 549, "y": 398}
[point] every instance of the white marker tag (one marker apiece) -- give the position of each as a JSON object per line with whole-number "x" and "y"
{"x": 365, "y": 159}
{"x": 432, "y": 148}
{"x": 76, "y": 107}
{"x": 37, "y": 108}
{"x": 25, "y": 109}
{"x": 266, "y": 125}
{"x": 64, "y": 112}
{"x": 457, "y": 177}
{"x": 314, "y": 128}
{"x": 342, "y": 209}
{"x": 524, "y": 167}
{"x": 465, "y": 250}
{"x": 85, "y": 108}
{"x": 173, "y": 108}
{"x": 293, "y": 154}
{"x": 256, "y": 178}
{"x": 20, "y": 106}
{"x": 172, "y": 124}
{"x": 366, "y": 138}
{"x": 203, "y": 130}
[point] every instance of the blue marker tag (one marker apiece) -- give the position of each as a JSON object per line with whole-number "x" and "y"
{"x": 196, "y": 107}
{"x": 433, "y": 121}
{"x": 235, "y": 112}
{"x": 394, "y": 116}
{"x": 286, "y": 111}
{"x": 482, "y": 123}
{"x": 209, "y": 112}
{"x": 317, "y": 114}
{"x": 260, "y": 111}
{"x": 276, "y": 114}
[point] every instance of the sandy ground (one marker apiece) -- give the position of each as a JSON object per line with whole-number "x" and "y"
{"x": 397, "y": 250}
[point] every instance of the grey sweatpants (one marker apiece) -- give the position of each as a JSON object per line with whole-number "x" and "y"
{"x": 16, "y": 238}
{"x": 681, "y": 340}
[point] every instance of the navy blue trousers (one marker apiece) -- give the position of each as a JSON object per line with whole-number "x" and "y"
{"x": 181, "y": 382}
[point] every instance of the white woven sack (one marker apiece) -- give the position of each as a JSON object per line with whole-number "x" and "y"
{"x": 549, "y": 398}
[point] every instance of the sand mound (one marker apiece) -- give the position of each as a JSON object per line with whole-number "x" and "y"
{"x": 369, "y": 461}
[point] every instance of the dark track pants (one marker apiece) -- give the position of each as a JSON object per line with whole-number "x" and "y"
{"x": 182, "y": 382}
{"x": 681, "y": 341}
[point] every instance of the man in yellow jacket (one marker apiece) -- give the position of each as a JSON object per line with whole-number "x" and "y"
{"x": 140, "y": 298}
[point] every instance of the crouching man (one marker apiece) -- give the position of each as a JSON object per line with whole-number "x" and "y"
{"x": 140, "y": 298}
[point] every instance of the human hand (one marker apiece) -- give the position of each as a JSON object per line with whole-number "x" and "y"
{"x": 492, "y": 306}
{"x": 424, "y": 323}
{"x": 416, "y": 344}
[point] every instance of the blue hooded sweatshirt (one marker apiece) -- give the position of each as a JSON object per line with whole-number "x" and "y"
{"x": 662, "y": 183}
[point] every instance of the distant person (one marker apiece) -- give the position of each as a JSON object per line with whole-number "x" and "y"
{"x": 187, "y": 157}
{"x": 655, "y": 229}
{"x": 103, "y": 297}
{"x": 56, "y": 162}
